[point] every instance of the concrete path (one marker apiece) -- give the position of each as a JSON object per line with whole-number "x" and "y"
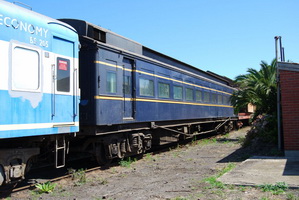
{"x": 264, "y": 170}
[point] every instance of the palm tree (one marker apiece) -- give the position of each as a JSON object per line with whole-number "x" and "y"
{"x": 257, "y": 88}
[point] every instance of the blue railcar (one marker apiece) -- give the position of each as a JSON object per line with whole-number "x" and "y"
{"x": 39, "y": 93}
{"x": 130, "y": 93}
{"x": 122, "y": 84}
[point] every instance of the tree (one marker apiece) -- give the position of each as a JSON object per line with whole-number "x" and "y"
{"x": 258, "y": 88}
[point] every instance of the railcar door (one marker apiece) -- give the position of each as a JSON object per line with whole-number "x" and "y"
{"x": 128, "y": 89}
{"x": 63, "y": 88}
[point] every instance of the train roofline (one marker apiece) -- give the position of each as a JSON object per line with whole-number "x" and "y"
{"x": 83, "y": 27}
{"x": 128, "y": 53}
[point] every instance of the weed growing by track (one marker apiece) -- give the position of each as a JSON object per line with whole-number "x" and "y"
{"x": 46, "y": 187}
{"x": 126, "y": 162}
{"x": 78, "y": 176}
{"x": 212, "y": 180}
{"x": 207, "y": 141}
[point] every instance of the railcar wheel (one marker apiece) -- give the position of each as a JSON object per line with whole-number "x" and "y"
{"x": 101, "y": 155}
{"x": 2, "y": 175}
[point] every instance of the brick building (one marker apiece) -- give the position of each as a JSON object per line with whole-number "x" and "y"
{"x": 289, "y": 89}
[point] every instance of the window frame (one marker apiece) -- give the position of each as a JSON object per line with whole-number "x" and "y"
{"x": 12, "y": 67}
{"x": 108, "y": 90}
{"x": 153, "y": 87}
{"x": 226, "y": 100}
{"x": 201, "y": 96}
{"x": 69, "y": 71}
{"x": 206, "y": 97}
{"x": 160, "y": 95}
{"x": 181, "y": 93}
{"x": 220, "y": 99}
{"x": 127, "y": 88}
{"x": 214, "y": 97}
{"x": 186, "y": 94}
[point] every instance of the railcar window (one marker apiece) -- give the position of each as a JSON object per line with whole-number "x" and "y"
{"x": 214, "y": 98}
{"x": 25, "y": 69}
{"x": 111, "y": 82}
{"x": 177, "y": 92}
{"x": 127, "y": 84}
{"x": 198, "y": 95}
{"x": 220, "y": 99}
{"x": 226, "y": 100}
{"x": 146, "y": 87}
{"x": 164, "y": 90}
{"x": 206, "y": 97}
{"x": 189, "y": 94}
{"x": 63, "y": 75}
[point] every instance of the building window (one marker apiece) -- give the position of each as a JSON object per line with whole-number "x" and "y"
{"x": 177, "y": 92}
{"x": 63, "y": 75}
{"x": 25, "y": 69}
{"x": 198, "y": 95}
{"x": 163, "y": 90}
{"x": 206, "y": 97}
{"x": 111, "y": 82}
{"x": 146, "y": 87}
{"x": 189, "y": 94}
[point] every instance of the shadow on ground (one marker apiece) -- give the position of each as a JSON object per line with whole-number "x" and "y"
{"x": 244, "y": 153}
{"x": 291, "y": 168}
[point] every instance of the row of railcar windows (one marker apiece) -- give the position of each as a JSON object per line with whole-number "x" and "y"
{"x": 146, "y": 88}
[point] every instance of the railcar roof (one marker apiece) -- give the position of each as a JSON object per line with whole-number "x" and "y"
{"x": 108, "y": 37}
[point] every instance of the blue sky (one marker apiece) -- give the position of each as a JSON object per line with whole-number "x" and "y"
{"x": 223, "y": 36}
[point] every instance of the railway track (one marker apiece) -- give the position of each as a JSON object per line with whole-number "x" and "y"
{"x": 50, "y": 174}
{"x": 46, "y": 174}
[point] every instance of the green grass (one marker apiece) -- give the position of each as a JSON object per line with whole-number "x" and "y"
{"x": 226, "y": 169}
{"x": 126, "y": 162}
{"x": 212, "y": 180}
{"x": 207, "y": 141}
{"x": 276, "y": 189}
{"x": 79, "y": 176}
{"x": 149, "y": 157}
{"x": 291, "y": 196}
{"x": 102, "y": 181}
{"x": 180, "y": 198}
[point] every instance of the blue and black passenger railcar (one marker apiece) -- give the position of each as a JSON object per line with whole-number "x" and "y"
{"x": 124, "y": 82}
{"x": 129, "y": 91}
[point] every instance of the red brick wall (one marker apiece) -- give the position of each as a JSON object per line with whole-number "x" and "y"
{"x": 289, "y": 86}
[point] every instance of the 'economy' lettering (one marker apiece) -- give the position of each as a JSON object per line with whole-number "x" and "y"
{"x": 23, "y": 26}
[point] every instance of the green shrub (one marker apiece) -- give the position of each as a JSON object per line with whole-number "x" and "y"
{"x": 264, "y": 130}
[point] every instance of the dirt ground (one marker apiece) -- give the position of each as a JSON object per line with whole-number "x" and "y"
{"x": 181, "y": 173}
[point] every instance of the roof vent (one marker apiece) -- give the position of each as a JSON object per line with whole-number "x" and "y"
{"x": 96, "y": 34}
